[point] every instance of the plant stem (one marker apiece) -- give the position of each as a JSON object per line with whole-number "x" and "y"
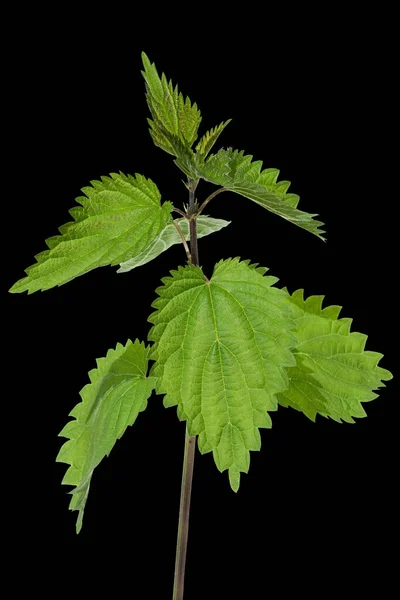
{"x": 184, "y": 509}
{"x": 190, "y": 445}
{"x": 194, "y": 251}
{"x": 193, "y": 241}
{"x": 192, "y": 188}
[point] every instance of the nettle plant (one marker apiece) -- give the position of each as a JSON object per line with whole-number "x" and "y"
{"x": 226, "y": 350}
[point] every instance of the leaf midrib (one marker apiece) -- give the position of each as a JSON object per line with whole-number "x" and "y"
{"x": 109, "y": 242}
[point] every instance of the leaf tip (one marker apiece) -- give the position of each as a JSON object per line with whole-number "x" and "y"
{"x": 79, "y": 520}
{"x": 234, "y": 478}
{"x": 145, "y": 58}
{"x": 14, "y": 288}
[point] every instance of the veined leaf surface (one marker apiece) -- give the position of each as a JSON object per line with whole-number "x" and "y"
{"x": 333, "y": 373}
{"x": 119, "y": 217}
{"x": 172, "y": 114}
{"x": 117, "y": 392}
{"x": 169, "y": 236}
{"x": 221, "y": 350}
{"x": 238, "y": 172}
{"x": 208, "y": 140}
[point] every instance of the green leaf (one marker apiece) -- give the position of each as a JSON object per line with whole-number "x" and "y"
{"x": 210, "y": 137}
{"x": 118, "y": 392}
{"x": 217, "y": 168}
{"x": 187, "y": 161}
{"x": 221, "y": 348}
{"x": 238, "y": 172}
{"x": 171, "y": 113}
{"x": 333, "y": 373}
{"x": 169, "y": 236}
{"x": 119, "y": 218}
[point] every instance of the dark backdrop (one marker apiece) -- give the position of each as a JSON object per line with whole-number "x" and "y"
{"x": 307, "y": 104}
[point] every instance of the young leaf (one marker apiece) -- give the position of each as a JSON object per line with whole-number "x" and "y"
{"x": 221, "y": 348}
{"x": 187, "y": 161}
{"x": 118, "y": 392}
{"x": 210, "y": 137}
{"x": 169, "y": 236}
{"x": 333, "y": 373}
{"x": 119, "y": 218}
{"x": 172, "y": 114}
{"x": 238, "y": 172}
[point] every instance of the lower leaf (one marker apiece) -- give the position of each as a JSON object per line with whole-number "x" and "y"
{"x": 118, "y": 391}
{"x": 333, "y": 373}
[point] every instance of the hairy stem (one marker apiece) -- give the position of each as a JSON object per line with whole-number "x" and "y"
{"x": 190, "y": 445}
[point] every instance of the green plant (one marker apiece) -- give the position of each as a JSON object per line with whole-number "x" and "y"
{"x": 225, "y": 350}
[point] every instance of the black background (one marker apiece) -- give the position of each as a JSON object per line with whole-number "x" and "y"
{"x": 314, "y": 104}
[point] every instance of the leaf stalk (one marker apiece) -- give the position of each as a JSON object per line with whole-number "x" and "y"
{"x": 179, "y": 230}
{"x": 210, "y": 197}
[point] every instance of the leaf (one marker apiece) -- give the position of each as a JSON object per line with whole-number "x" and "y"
{"x": 188, "y": 162}
{"x": 333, "y": 373}
{"x": 238, "y": 172}
{"x": 210, "y": 137}
{"x": 171, "y": 112}
{"x": 117, "y": 393}
{"x": 119, "y": 218}
{"x": 221, "y": 348}
{"x": 169, "y": 236}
